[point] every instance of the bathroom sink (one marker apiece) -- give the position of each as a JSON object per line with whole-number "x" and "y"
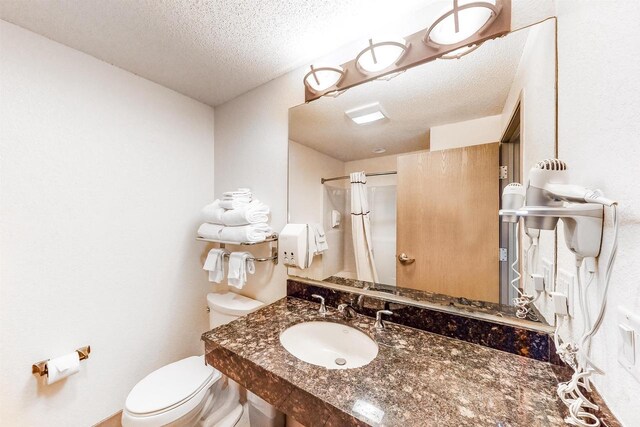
{"x": 328, "y": 344}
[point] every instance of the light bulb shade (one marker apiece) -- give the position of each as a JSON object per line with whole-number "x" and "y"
{"x": 323, "y": 77}
{"x": 459, "y": 53}
{"x": 381, "y": 54}
{"x": 465, "y": 19}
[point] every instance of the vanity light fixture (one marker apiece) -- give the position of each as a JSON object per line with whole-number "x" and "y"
{"x": 464, "y": 20}
{"x": 366, "y": 114}
{"x": 321, "y": 78}
{"x": 381, "y": 54}
{"x": 459, "y": 30}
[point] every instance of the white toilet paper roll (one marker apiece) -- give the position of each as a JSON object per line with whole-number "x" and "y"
{"x": 62, "y": 367}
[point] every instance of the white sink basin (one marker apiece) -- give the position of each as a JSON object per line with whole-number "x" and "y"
{"x": 332, "y": 345}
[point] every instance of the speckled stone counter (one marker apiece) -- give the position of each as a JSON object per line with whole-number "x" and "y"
{"x": 417, "y": 379}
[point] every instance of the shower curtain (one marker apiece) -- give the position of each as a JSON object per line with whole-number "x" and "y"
{"x": 361, "y": 229}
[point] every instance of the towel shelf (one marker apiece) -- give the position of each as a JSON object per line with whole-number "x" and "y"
{"x": 273, "y": 258}
{"x": 274, "y": 249}
{"x": 272, "y": 238}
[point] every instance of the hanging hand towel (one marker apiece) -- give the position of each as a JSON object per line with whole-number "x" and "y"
{"x": 239, "y": 264}
{"x": 247, "y": 233}
{"x": 319, "y": 237}
{"x": 214, "y": 264}
{"x": 252, "y": 213}
{"x": 317, "y": 242}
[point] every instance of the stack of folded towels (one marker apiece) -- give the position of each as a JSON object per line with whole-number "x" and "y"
{"x": 236, "y": 218}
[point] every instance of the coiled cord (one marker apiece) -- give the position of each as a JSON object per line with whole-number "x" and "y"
{"x": 578, "y": 357}
{"x": 523, "y": 302}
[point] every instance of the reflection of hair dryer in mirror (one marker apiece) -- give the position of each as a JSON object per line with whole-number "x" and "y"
{"x": 512, "y": 200}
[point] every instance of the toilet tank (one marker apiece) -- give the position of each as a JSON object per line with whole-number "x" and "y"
{"x": 226, "y": 307}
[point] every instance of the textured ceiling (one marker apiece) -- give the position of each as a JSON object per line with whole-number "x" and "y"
{"x": 436, "y": 93}
{"x": 209, "y": 50}
{"x": 215, "y": 50}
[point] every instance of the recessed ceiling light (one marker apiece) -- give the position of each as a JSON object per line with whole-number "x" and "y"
{"x": 366, "y": 114}
{"x": 379, "y": 150}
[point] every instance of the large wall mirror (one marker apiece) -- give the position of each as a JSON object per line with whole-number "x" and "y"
{"x": 404, "y": 177}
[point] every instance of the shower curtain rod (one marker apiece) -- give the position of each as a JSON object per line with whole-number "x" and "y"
{"x": 323, "y": 180}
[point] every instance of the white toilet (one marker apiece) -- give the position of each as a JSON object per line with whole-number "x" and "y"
{"x": 188, "y": 392}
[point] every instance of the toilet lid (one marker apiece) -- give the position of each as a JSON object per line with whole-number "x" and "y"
{"x": 170, "y": 385}
{"x": 232, "y": 303}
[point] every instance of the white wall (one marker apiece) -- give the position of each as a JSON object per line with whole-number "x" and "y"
{"x": 599, "y": 128}
{"x": 306, "y": 167}
{"x": 484, "y": 130}
{"x": 103, "y": 175}
{"x": 251, "y": 143}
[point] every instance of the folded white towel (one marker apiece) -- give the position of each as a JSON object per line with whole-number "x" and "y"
{"x": 240, "y": 192}
{"x": 234, "y": 203}
{"x": 252, "y": 213}
{"x": 241, "y": 195}
{"x": 244, "y": 233}
{"x": 240, "y": 263}
{"x": 214, "y": 264}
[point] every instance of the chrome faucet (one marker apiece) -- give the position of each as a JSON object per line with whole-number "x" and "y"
{"x": 323, "y": 309}
{"x": 348, "y": 312}
{"x": 379, "y": 322}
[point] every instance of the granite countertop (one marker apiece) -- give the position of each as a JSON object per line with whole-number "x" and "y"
{"x": 417, "y": 379}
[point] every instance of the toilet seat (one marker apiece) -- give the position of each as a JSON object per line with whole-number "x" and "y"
{"x": 171, "y": 391}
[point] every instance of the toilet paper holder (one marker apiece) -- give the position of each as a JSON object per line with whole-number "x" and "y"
{"x": 41, "y": 367}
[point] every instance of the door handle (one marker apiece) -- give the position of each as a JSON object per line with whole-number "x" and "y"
{"x": 404, "y": 259}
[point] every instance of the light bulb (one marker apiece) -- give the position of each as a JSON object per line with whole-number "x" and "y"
{"x": 457, "y": 25}
{"x": 381, "y": 54}
{"x": 322, "y": 77}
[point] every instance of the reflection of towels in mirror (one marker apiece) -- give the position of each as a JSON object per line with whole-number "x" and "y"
{"x": 317, "y": 242}
{"x": 239, "y": 264}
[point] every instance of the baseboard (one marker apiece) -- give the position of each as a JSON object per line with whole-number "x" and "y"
{"x": 112, "y": 421}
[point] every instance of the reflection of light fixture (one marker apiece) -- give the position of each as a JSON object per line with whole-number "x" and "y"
{"x": 366, "y": 114}
{"x": 379, "y": 150}
{"x": 322, "y": 78}
{"x": 380, "y": 55}
{"x": 368, "y": 410}
{"x": 459, "y": 53}
{"x": 465, "y": 19}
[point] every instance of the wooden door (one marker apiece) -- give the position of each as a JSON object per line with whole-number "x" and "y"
{"x": 448, "y": 221}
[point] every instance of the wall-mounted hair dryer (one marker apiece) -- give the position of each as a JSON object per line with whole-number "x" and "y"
{"x": 547, "y": 191}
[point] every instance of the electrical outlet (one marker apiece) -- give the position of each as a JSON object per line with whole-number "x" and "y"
{"x": 629, "y": 341}
{"x": 547, "y": 273}
{"x": 565, "y": 284}
{"x": 538, "y": 282}
{"x": 560, "y": 306}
